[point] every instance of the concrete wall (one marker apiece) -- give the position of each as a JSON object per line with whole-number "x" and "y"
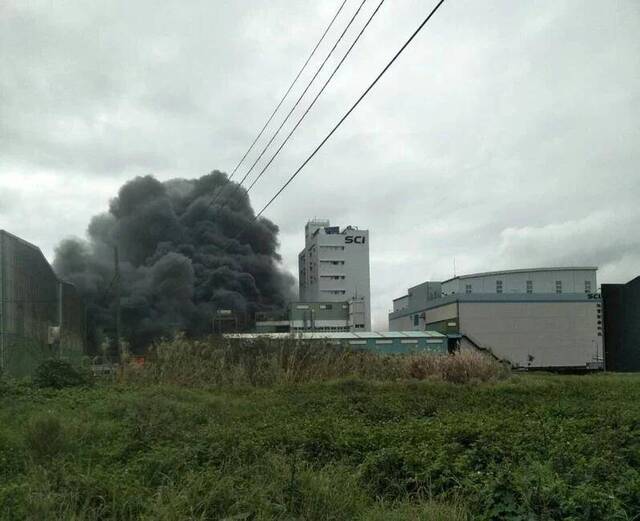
{"x": 446, "y": 312}
{"x": 555, "y": 334}
{"x": 401, "y": 303}
{"x": 544, "y": 281}
{"x": 404, "y": 323}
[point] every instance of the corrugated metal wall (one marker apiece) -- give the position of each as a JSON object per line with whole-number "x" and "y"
{"x": 32, "y": 301}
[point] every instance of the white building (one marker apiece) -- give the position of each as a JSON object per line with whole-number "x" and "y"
{"x": 527, "y": 281}
{"x": 334, "y": 267}
{"x": 537, "y": 318}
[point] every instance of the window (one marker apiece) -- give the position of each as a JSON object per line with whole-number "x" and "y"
{"x": 467, "y": 289}
{"x": 359, "y": 326}
{"x": 416, "y": 320}
{"x": 498, "y": 286}
{"x": 529, "y": 286}
{"x": 558, "y": 286}
{"x": 587, "y": 286}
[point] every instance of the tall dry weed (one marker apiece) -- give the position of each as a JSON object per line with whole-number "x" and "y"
{"x": 265, "y": 362}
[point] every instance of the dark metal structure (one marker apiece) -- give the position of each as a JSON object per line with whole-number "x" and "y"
{"x": 40, "y": 316}
{"x": 622, "y": 326}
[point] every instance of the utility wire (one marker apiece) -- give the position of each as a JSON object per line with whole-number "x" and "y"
{"x": 333, "y": 130}
{"x": 353, "y": 107}
{"x": 316, "y": 98}
{"x": 289, "y": 89}
{"x": 275, "y": 134}
{"x": 347, "y": 114}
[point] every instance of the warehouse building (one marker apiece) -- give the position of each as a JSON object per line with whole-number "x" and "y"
{"x": 334, "y": 267}
{"x": 40, "y": 316}
{"x": 533, "y": 318}
{"x": 621, "y": 304}
{"x": 391, "y": 342}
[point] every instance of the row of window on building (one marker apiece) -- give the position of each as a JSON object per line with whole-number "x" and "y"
{"x": 322, "y": 306}
{"x": 529, "y": 287}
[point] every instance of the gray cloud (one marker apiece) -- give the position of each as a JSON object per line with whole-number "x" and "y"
{"x": 506, "y": 136}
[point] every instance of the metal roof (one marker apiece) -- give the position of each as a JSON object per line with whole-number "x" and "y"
{"x": 521, "y": 270}
{"x": 341, "y": 336}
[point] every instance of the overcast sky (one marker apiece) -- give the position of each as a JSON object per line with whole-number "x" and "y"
{"x": 506, "y": 136}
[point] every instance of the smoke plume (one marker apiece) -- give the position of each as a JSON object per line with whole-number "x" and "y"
{"x": 181, "y": 259}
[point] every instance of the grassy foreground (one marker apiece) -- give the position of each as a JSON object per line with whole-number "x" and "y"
{"x": 530, "y": 447}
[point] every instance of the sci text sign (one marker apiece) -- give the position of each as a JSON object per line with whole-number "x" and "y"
{"x": 355, "y": 239}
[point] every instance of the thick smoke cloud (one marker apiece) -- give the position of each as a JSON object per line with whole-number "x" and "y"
{"x": 181, "y": 259}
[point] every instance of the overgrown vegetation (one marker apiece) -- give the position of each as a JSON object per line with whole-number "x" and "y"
{"x": 266, "y": 362}
{"x": 406, "y": 445}
{"x": 59, "y": 374}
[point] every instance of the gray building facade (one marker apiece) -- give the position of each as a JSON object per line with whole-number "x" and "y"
{"x": 523, "y": 316}
{"x": 40, "y": 316}
{"x": 334, "y": 267}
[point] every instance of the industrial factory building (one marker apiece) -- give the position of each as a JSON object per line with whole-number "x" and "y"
{"x": 40, "y": 316}
{"x": 334, "y": 268}
{"x": 329, "y": 317}
{"x": 391, "y": 342}
{"x": 622, "y": 326}
{"x": 534, "y": 318}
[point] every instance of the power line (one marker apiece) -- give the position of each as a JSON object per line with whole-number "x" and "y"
{"x": 346, "y": 115}
{"x": 353, "y": 107}
{"x": 317, "y": 96}
{"x": 275, "y": 134}
{"x": 289, "y": 89}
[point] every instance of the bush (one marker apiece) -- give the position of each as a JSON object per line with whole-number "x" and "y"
{"x": 58, "y": 374}
{"x": 45, "y": 437}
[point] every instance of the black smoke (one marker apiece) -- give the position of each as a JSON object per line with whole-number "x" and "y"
{"x": 181, "y": 259}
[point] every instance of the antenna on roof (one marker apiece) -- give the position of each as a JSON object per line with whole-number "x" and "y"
{"x": 454, "y": 266}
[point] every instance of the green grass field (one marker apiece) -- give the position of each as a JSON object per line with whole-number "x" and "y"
{"x": 530, "y": 447}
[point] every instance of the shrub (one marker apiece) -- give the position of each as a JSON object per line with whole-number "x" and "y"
{"x": 58, "y": 374}
{"x": 45, "y": 437}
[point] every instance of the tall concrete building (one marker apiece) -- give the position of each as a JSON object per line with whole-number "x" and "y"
{"x": 334, "y": 267}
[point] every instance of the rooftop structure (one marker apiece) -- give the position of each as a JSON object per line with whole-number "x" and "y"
{"x": 529, "y": 281}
